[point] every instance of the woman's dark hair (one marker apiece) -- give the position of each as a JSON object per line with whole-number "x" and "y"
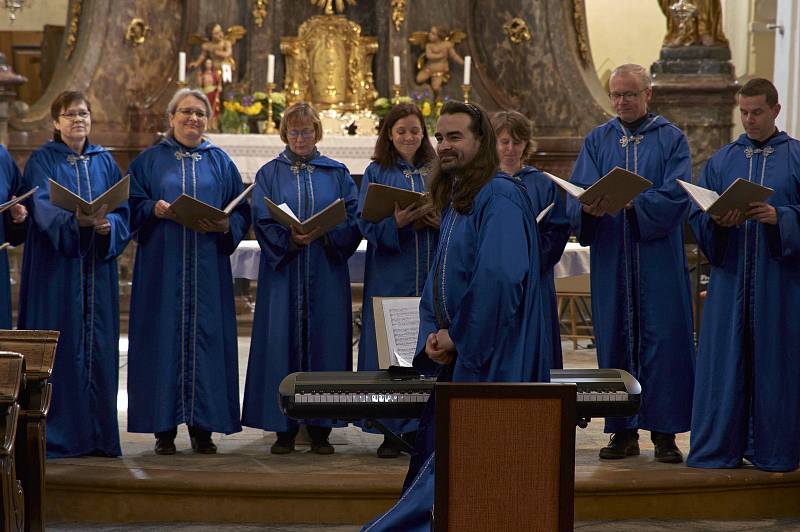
{"x": 478, "y": 172}
{"x": 385, "y": 153}
{"x": 61, "y": 103}
{"x": 518, "y": 127}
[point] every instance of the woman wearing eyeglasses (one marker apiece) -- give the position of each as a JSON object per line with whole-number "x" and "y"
{"x": 183, "y": 364}
{"x": 303, "y": 316}
{"x": 69, "y": 282}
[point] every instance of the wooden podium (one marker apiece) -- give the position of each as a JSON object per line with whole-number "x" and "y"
{"x": 12, "y": 512}
{"x": 505, "y": 457}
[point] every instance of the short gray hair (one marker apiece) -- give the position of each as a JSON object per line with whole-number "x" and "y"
{"x": 180, "y": 94}
{"x": 634, "y": 70}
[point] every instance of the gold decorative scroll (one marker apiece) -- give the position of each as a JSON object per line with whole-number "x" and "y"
{"x": 579, "y": 19}
{"x": 329, "y": 5}
{"x": 72, "y": 31}
{"x": 259, "y": 12}
{"x": 398, "y": 13}
{"x": 137, "y": 32}
{"x": 517, "y": 30}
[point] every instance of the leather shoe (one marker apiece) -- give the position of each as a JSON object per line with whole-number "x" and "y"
{"x": 322, "y": 447}
{"x": 282, "y": 446}
{"x": 388, "y": 450}
{"x": 666, "y": 450}
{"x": 620, "y": 445}
{"x": 203, "y": 445}
{"x": 165, "y": 446}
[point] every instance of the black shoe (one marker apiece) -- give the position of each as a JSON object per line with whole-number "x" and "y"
{"x": 321, "y": 447}
{"x": 165, "y": 445}
{"x": 622, "y": 444}
{"x": 203, "y": 445}
{"x": 666, "y": 450}
{"x": 388, "y": 449}
{"x": 282, "y": 446}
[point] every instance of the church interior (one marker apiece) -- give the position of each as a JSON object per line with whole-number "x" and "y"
{"x": 352, "y": 60}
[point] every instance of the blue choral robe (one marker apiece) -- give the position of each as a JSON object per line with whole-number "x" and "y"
{"x": 11, "y": 184}
{"x": 70, "y": 284}
{"x": 303, "y": 317}
{"x": 183, "y": 361}
{"x": 553, "y": 235}
{"x": 487, "y": 273}
{"x": 747, "y": 397}
{"x": 397, "y": 261}
{"x": 641, "y": 298}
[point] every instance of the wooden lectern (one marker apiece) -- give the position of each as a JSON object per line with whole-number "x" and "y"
{"x": 12, "y": 511}
{"x": 505, "y": 457}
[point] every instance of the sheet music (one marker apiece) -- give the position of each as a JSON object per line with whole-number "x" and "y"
{"x": 401, "y": 316}
{"x": 704, "y": 197}
{"x": 288, "y": 210}
{"x": 573, "y": 190}
{"x": 544, "y": 212}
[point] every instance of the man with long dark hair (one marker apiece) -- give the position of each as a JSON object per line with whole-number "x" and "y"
{"x": 480, "y": 313}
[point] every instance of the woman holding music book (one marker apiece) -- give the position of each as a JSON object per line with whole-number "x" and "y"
{"x": 303, "y": 317}
{"x": 514, "y": 147}
{"x": 70, "y": 284}
{"x": 183, "y": 362}
{"x": 399, "y": 250}
{"x": 13, "y": 228}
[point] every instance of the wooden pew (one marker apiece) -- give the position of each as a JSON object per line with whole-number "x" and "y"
{"x": 38, "y": 348}
{"x": 12, "y": 517}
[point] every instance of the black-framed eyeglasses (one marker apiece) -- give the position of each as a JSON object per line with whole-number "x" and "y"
{"x": 305, "y": 133}
{"x": 627, "y": 96}
{"x": 191, "y": 112}
{"x": 75, "y": 115}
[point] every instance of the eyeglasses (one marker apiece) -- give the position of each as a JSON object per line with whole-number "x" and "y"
{"x": 306, "y": 133}
{"x": 627, "y": 96}
{"x": 192, "y": 112}
{"x": 74, "y": 115}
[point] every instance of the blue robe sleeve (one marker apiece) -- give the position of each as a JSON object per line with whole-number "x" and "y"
{"x": 427, "y": 325}
{"x": 584, "y": 174}
{"x": 60, "y": 226}
{"x": 141, "y": 201}
{"x": 554, "y": 232}
{"x": 383, "y": 235}
{"x": 15, "y": 233}
{"x": 657, "y": 211}
{"x": 783, "y": 239}
{"x": 113, "y": 244}
{"x": 273, "y": 238}
{"x": 493, "y": 295}
{"x": 239, "y": 218}
{"x": 342, "y": 241}
{"x": 712, "y": 239}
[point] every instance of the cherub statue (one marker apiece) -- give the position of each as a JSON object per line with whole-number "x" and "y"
{"x": 433, "y": 64}
{"x": 217, "y": 46}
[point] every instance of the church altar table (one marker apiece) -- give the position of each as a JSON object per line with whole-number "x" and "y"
{"x": 250, "y": 152}
{"x": 244, "y": 261}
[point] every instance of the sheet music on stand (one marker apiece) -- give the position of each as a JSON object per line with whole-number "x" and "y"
{"x": 396, "y": 330}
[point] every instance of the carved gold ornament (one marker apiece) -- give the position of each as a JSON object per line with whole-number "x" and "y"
{"x": 329, "y": 5}
{"x": 398, "y": 13}
{"x": 517, "y": 30}
{"x": 579, "y": 19}
{"x": 259, "y": 12}
{"x": 137, "y": 32}
{"x": 72, "y": 32}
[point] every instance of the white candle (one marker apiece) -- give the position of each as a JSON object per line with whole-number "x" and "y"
{"x": 396, "y": 68}
{"x": 270, "y": 68}
{"x": 182, "y": 67}
{"x": 467, "y": 68}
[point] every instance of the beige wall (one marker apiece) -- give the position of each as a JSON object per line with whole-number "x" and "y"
{"x": 33, "y": 18}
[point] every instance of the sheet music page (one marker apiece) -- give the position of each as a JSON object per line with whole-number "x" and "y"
{"x": 288, "y": 210}
{"x": 704, "y": 197}
{"x": 544, "y": 212}
{"x": 572, "y": 190}
{"x": 401, "y": 316}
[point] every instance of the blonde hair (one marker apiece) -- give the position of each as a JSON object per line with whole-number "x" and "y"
{"x": 297, "y": 112}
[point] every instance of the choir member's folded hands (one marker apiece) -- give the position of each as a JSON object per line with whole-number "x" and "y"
{"x": 162, "y": 210}
{"x": 762, "y": 212}
{"x": 598, "y": 207}
{"x": 97, "y": 220}
{"x": 433, "y": 219}
{"x": 210, "y": 226}
{"x": 412, "y": 213}
{"x": 306, "y": 239}
{"x": 733, "y": 218}
{"x": 439, "y": 347}
{"x": 18, "y": 212}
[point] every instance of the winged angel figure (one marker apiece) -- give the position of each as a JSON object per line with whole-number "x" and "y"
{"x": 433, "y": 64}
{"x": 217, "y": 46}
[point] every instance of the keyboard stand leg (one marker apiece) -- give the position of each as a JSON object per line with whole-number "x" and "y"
{"x": 399, "y": 442}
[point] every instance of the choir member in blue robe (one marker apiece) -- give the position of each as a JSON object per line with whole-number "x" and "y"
{"x": 399, "y": 252}
{"x": 69, "y": 283}
{"x": 303, "y": 316}
{"x": 481, "y": 310}
{"x": 514, "y": 146}
{"x": 13, "y": 228}
{"x": 183, "y": 359}
{"x": 746, "y": 397}
{"x": 638, "y": 265}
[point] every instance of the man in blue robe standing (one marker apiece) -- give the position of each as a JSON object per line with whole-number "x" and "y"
{"x": 641, "y": 300}
{"x": 747, "y": 401}
{"x": 480, "y": 312}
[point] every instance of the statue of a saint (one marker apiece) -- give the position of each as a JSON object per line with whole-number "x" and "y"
{"x": 693, "y": 22}
{"x": 433, "y": 63}
{"x": 217, "y": 46}
{"x": 208, "y": 79}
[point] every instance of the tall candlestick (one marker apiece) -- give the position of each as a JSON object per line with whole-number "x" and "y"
{"x": 270, "y": 68}
{"x": 467, "y": 68}
{"x": 181, "y": 67}
{"x": 270, "y": 126}
{"x": 396, "y": 69}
